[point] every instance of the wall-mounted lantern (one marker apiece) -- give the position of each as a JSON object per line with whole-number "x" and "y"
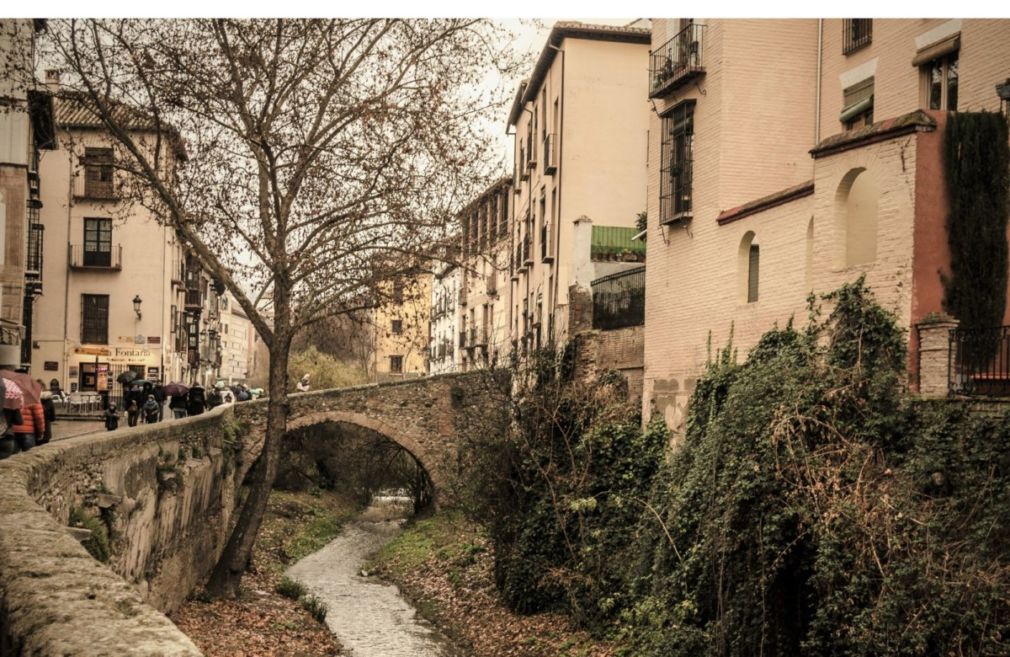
{"x": 136, "y": 305}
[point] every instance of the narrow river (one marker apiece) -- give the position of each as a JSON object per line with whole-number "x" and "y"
{"x": 369, "y": 617}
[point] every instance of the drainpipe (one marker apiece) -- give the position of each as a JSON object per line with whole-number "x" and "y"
{"x": 817, "y": 96}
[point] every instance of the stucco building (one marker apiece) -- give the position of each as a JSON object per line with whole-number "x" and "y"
{"x": 444, "y": 319}
{"x": 236, "y": 338}
{"x": 485, "y": 285}
{"x": 756, "y": 199}
{"x": 25, "y": 131}
{"x": 581, "y": 122}
{"x": 400, "y": 329}
{"x": 121, "y": 293}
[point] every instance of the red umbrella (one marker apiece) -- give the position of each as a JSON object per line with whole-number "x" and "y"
{"x": 30, "y": 388}
{"x": 13, "y": 397}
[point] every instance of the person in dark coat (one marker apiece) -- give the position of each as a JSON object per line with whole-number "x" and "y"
{"x": 197, "y": 400}
{"x": 111, "y": 417}
{"x": 179, "y": 404}
{"x": 49, "y": 413}
{"x": 132, "y": 412}
{"x": 152, "y": 410}
{"x": 214, "y": 399}
{"x": 159, "y": 396}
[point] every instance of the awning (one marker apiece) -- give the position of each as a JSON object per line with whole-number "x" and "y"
{"x": 856, "y": 109}
{"x": 938, "y": 49}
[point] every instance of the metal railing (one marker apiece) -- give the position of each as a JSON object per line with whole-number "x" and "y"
{"x": 619, "y": 300}
{"x": 677, "y": 61}
{"x": 99, "y": 260}
{"x": 980, "y": 362}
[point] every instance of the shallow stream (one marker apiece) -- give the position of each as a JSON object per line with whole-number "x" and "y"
{"x": 369, "y": 617}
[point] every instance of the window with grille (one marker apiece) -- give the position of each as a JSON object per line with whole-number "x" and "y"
{"x": 94, "y": 319}
{"x": 858, "y": 33}
{"x": 97, "y": 242}
{"x": 677, "y": 153}
{"x": 98, "y": 172}
{"x": 396, "y": 364}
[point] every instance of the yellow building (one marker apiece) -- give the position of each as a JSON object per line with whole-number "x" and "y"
{"x": 790, "y": 156}
{"x": 400, "y": 329}
{"x": 581, "y": 122}
{"x": 118, "y": 292}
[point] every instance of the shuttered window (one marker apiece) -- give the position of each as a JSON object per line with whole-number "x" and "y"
{"x": 858, "y": 105}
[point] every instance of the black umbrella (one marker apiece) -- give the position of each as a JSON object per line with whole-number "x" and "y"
{"x": 126, "y": 377}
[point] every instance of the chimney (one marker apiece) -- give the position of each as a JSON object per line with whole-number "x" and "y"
{"x": 53, "y": 79}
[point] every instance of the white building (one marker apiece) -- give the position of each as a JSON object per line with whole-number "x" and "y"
{"x": 236, "y": 340}
{"x": 445, "y": 294}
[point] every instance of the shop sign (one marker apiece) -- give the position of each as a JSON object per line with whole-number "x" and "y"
{"x": 153, "y": 373}
{"x": 92, "y": 351}
{"x": 51, "y": 366}
{"x": 72, "y": 371}
{"x": 154, "y": 339}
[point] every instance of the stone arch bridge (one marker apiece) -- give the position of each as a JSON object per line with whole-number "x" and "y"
{"x": 164, "y": 495}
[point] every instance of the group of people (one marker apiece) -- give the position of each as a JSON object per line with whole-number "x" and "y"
{"x": 147, "y": 402}
{"x": 28, "y": 415}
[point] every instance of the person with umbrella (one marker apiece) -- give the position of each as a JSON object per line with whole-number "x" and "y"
{"x": 197, "y": 400}
{"x": 178, "y": 394}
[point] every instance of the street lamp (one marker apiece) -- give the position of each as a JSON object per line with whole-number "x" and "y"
{"x": 136, "y": 305}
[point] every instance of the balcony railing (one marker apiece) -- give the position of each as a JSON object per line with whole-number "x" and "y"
{"x": 527, "y": 256}
{"x": 109, "y": 260}
{"x": 194, "y": 301}
{"x": 550, "y": 154}
{"x": 980, "y": 362}
{"x": 677, "y": 61}
{"x": 619, "y": 300}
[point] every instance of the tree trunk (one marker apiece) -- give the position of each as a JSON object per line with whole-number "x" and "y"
{"x": 227, "y": 575}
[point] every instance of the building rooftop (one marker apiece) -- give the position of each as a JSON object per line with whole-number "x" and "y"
{"x": 570, "y": 30}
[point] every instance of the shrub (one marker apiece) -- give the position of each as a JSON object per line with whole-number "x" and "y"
{"x": 97, "y": 544}
{"x": 314, "y": 606}
{"x": 290, "y": 588}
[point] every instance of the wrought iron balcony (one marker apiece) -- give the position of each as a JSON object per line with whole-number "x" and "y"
{"x": 677, "y": 62}
{"x": 108, "y": 257}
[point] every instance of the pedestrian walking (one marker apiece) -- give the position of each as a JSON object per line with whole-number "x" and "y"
{"x": 49, "y": 413}
{"x": 178, "y": 405}
{"x": 32, "y": 428}
{"x": 111, "y": 417}
{"x": 197, "y": 400}
{"x": 152, "y": 410}
{"x": 132, "y": 412}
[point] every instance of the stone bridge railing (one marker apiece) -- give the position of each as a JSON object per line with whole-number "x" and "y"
{"x": 165, "y": 495}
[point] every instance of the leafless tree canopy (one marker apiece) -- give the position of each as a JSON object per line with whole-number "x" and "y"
{"x": 322, "y": 156}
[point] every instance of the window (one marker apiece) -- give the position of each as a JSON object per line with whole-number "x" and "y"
{"x": 858, "y": 33}
{"x": 97, "y": 242}
{"x": 941, "y": 78}
{"x": 397, "y": 327}
{"x": 94, "y": 319}
{"x": 675, "y": 168}
{"x": 858, "y": 105}
{"x": 397, "y": 292}
{"x": 396, "y": 364}
{"x": 97, "y": 172}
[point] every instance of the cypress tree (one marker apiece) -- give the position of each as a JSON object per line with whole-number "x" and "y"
{"x": 976, "y": 159}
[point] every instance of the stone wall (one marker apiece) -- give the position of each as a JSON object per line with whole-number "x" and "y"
{"x": 621, "y": 350}
{"x": 166, "y": 494}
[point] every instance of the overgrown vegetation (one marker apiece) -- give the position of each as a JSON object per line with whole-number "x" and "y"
{"x": 315, "y": 607}
{"x": 812, "y": 508}
{"x": 290, "y": 588}
{"x": 976, "y": 159}
{"x": 97, "y": 544}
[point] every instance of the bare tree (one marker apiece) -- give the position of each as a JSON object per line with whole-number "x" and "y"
{"x": 321, "y": 156}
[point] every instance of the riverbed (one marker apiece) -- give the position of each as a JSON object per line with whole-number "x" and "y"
{"x": 369, "y": 617}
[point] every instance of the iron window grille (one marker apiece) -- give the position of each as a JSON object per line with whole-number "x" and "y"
{"x": 676, "y": 170}
{"x": 858, "y": 34}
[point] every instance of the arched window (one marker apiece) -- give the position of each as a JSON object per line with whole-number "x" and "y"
{"x": 748, "y": 268}
{"x": 856, "y": 219}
